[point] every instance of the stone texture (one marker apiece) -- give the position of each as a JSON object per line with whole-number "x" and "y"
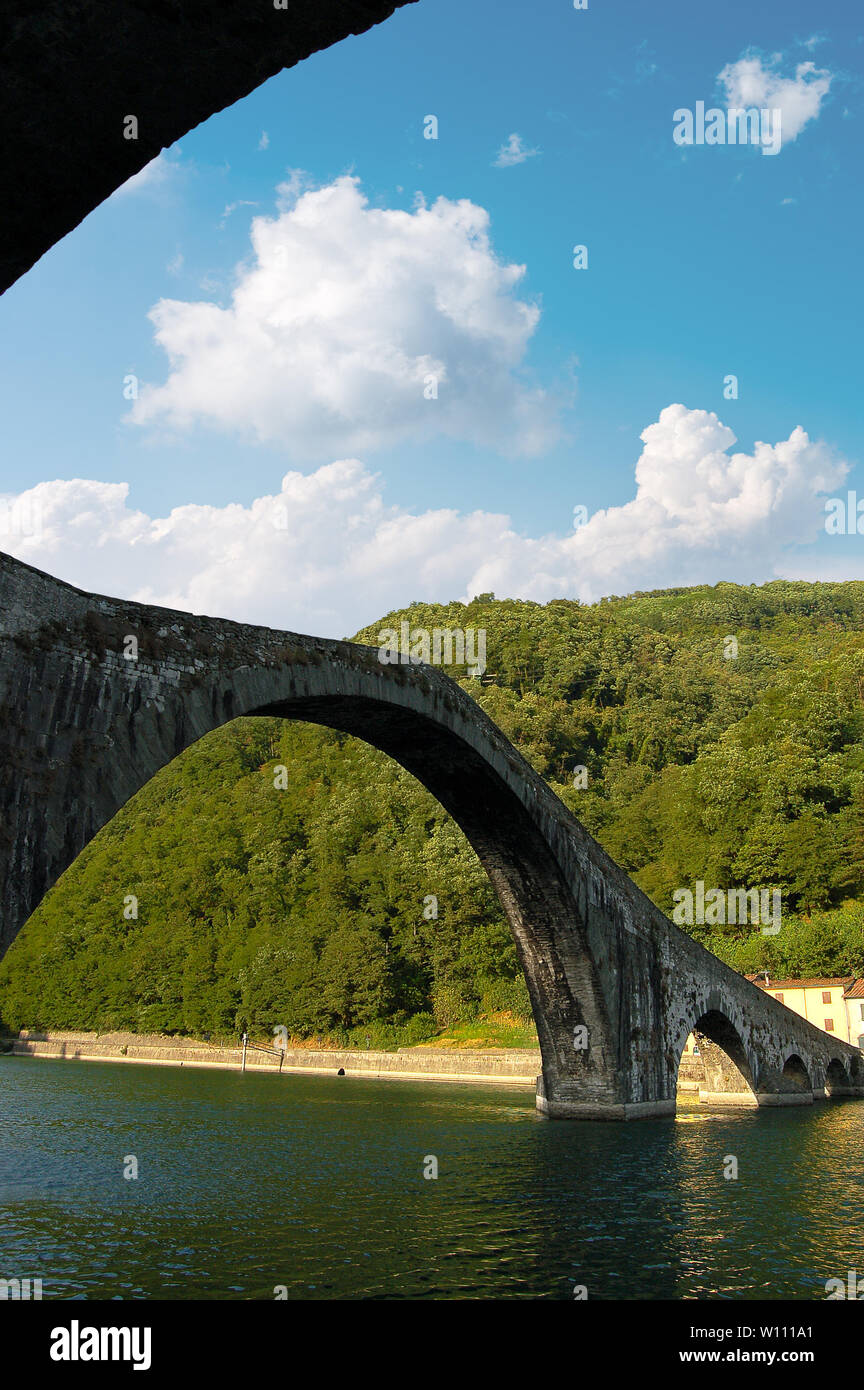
{"x": 72, "y": 70}
{"x": 82, "y": 729}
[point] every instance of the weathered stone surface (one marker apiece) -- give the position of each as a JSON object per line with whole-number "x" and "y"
{"x": 71, "y": 71}
{"x": 82, "y": 729}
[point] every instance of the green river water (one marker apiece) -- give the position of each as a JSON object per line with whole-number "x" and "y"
{"x": 315, "y": 1185}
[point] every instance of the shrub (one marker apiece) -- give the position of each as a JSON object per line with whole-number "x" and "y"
{"x": 452, "y": 1004}
{"x": 506, "y": 996}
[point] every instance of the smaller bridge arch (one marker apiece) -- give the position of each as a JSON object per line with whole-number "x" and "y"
{"x": 838, "y": 1079}
{"x": 728, "y": 1070}
{"x": 795, "y": 1075}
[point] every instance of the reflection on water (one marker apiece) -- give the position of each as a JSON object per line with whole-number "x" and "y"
{"x": 249, "y": 1182}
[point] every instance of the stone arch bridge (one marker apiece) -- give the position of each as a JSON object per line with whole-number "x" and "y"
{"x": 616, "y": 988}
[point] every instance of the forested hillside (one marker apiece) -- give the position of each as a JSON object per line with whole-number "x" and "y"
{"x": 310, "y": 906}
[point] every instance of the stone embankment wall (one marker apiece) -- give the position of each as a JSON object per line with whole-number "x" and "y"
{"x": 517, "y": 1067}
{"x": 691, "y": 1073}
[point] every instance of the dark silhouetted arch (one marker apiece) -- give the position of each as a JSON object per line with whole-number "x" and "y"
{"x": 72, "y": 71}
{"x": 795, "y": 1074}
{"x": 837, "y": 1079}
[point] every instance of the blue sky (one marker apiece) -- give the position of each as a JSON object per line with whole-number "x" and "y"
{"x": 702, "y": 262}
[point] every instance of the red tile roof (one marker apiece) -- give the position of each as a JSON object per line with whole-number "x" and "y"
{"x": 815, "y": 982}
{"x": 856, "y": 990}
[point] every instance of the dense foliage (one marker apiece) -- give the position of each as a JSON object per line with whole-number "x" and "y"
{"x": 308, "y": 906}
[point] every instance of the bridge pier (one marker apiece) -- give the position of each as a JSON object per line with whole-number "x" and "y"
{"x": 562, "y": 1107}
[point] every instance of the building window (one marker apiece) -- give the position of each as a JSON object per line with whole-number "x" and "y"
{"x": 829, "y": 1025}
{"x": 826, "y": 996}
{"x": 862, "y": 1010}
{"x": 780, "y": 997}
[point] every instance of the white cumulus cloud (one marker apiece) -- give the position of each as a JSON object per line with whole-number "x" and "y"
{"x": 750, "y": 82}
{"x": 355, "y": 327}
{"x": 327, "y": 555}
{"x": 513, "y": 151}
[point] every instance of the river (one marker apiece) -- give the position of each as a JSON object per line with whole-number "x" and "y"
{"x": 315, "y": 1186}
